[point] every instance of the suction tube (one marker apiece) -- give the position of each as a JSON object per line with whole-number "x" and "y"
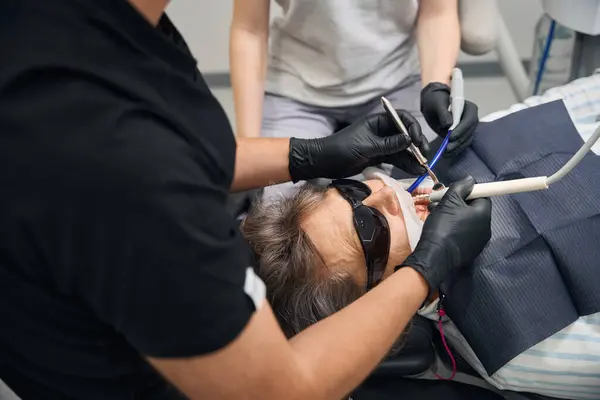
{"x": 572, "y": 163}
{"x": 526, "y": 184}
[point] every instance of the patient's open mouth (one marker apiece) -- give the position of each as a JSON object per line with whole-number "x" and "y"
{"x": 420, "y": 203}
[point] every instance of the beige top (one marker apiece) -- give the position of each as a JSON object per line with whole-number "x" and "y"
{"x": 335, "y": 53}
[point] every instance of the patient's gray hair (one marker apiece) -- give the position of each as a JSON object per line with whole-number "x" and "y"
{"x": 299, "y": 287}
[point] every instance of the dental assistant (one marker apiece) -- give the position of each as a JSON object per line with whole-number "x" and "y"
{"x": 325, "y": 62}
{"x": 122, "y": 275}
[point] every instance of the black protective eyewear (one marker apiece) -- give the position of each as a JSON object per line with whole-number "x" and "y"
{"x": 371, "y": 226}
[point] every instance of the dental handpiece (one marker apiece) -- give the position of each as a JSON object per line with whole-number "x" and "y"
{"x": 457, "y": 97}
{"x": 414, "y": 150}
{"x": 500, "y": 188}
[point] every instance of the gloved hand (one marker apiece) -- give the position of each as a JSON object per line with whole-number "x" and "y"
{"x": 453, "y": 235}
{"x": 435, "y": 99}
{"x": 370, "y": 141}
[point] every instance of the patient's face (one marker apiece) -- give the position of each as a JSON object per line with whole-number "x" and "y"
{"x": 331, "y": 229}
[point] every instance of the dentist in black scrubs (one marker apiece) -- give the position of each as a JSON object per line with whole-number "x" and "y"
{"x": 122, "y": 276}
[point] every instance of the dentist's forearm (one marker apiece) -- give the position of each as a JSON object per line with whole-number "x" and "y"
{"x": 438, "y": 39}
{"x": 325, "y": 361}
{"x": 261, "y": 162}
{"x": 347, "y": 346}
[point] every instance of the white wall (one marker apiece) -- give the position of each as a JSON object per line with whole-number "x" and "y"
{"x": 205, "y": 25}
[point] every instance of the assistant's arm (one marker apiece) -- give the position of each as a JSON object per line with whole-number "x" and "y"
{"x": 249, "y": 33}
{"x": 326, "y": 361}
{"x": 438, "y": 39}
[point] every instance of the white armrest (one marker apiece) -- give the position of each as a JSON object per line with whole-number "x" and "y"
{"x": 478, "y": 25}
{"x": 6, "y": 393}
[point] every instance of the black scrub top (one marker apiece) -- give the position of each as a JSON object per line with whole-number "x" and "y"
{"x": 115, "y": 164}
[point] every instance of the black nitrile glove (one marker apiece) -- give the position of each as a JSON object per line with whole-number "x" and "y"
{"x": 370, "y": 141}
{"x": 453, "y": 235}
{"x": 435, "y": 99}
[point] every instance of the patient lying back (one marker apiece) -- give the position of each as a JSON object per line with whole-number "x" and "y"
{"x": 313, "y": 263}
{"x": 310, "y": 255}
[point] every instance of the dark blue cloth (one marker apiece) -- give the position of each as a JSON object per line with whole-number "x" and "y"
{"x": 540, "y": 271}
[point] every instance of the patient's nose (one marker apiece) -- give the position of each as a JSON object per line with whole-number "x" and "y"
{"x": 384, "y": 200}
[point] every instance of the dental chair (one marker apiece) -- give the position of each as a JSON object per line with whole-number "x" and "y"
{"x": 416, "y": 356}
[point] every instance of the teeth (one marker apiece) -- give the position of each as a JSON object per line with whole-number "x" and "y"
{"x": 421, "y": 198}
{"x": 422, "y": 190}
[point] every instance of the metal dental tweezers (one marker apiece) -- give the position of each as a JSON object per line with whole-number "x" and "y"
{"x": 412, "y": 149}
